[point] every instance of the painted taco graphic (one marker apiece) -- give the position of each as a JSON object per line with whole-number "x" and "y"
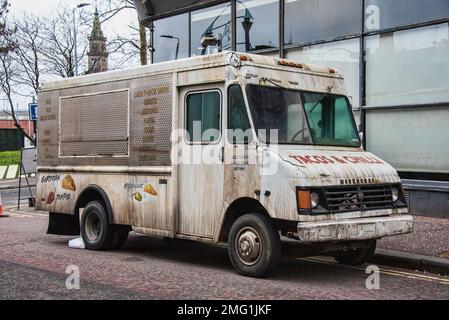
{"x": 68, "y": 183}
{"x": 148, "y": 188}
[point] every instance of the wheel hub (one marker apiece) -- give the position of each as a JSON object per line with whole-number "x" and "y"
{"x": 93, "y": 227}
{"x": 249, "y": 246}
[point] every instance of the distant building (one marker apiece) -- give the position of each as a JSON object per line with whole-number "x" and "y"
{"x": 98, "y": 56}
{"x": 11, "y": 138}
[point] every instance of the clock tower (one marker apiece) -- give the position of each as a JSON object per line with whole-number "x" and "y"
{"x": 98, "y": 56}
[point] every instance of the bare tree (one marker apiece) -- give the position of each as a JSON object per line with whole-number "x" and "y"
{"x": 137, "y": 41}
{"x": 58, "y": 42}
{"x": 5, "y": 32}
{"x": 28, "y": 51}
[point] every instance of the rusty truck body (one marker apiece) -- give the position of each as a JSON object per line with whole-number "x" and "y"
{"x": 118, "y": 151}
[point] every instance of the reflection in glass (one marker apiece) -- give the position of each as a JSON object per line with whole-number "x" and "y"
{"x": 171, "y": 38}
{"x": 315, "y": 20}
{"x": 211, "y": 30}
{"x": 384, "y": 14}
{"x": 257, "y": 24}
{"x": 408, "y": 67}
{"x": 341, "y": 55}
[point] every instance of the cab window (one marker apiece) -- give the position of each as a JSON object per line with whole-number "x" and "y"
{"x": 330, "y": 119}
{"x": 203, "y": 114}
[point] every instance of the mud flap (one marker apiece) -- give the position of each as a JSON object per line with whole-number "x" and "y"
{"x": 63, "y": 224}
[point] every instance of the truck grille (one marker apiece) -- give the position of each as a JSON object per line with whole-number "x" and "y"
{"x": 342, "y": 199}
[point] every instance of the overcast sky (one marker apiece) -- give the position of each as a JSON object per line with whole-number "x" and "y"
{"x": 119, "y": 24}
{"x": 45, "y": 6}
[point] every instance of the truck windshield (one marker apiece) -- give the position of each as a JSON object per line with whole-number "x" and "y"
{"x": 302, "y": 117}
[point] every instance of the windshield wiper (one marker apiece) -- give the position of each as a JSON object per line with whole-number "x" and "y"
{"x": 272, "y": 82}
{"x": 329, "y": 89}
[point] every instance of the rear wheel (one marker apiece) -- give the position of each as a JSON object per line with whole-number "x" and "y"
{"x": 121, "y": 233}
{"x": 254, "y": 245}
{"x": 357, "y": 256}
{"x": 96, "y": 231}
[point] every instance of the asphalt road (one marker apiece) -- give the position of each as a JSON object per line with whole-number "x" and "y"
{"x": 33, "y": 266}
{"x": 10, "y": 196}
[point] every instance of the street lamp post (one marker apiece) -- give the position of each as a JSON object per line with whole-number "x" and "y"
{"x": 177, "y": 44}
{"x": 247, "y": 24}
{"x": 75, "y": 54}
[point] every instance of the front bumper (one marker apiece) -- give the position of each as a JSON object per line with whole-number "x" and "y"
{"x": 355, "y": 229}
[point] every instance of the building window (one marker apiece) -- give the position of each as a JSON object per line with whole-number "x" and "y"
{"x": 257, "y": 25}
{"x": 342, "y": 55}
{"x": 412, "y": 140}
{"x": 384, "y": 14}
{"x": 203, "y": 111}
{"x": 238, "y": 122}
{"x": 171, "y": 38}
{"x": 211, "y": 30}
{"x": 408, "y": 67}
{"x": 316, "y": 20}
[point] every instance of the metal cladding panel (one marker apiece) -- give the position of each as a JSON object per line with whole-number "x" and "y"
{"x": 48, "y": 135}
{"x": 94, "y": 148}
{"x": 151, "y": 120}
{"x": 123, "y": 123}
{"x": 94, "y": 124}
{"x": 79, "y": 90}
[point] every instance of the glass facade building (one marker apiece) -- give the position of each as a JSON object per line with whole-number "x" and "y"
{"x": 394, "y": 55}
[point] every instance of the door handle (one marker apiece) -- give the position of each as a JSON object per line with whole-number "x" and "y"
{"x": 221, "y": 154}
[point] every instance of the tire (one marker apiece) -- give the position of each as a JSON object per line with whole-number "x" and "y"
{"x": 254, "y": 246}
{"x": 121, "y": 233}
{"x": 357, "y": 257}
{"x": 96, "y": 231}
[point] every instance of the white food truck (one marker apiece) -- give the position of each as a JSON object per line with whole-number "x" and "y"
{"x": 229, "y": 148}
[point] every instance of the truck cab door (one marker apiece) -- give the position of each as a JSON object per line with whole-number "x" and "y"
{"x": 242, "y": 178}
{"x": 200, "y": 159}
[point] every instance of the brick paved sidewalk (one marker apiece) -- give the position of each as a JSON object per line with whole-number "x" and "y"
{"x": 430, "y": 237}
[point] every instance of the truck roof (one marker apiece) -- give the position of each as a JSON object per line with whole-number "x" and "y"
{"x": 198, "y": 62}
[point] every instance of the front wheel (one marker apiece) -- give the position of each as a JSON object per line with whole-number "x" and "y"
{"x": 356, "y": 257}
{"x": 254, "y": 246}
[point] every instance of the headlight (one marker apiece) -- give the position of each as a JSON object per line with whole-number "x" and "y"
{"x": 395, "y": 194}
{"x": 314, "y": 200}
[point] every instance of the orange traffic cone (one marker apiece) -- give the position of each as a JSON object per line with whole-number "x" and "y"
{"x": 2, "y": 212}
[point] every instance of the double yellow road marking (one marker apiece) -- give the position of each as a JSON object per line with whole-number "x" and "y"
{"x": 391, "y": 272}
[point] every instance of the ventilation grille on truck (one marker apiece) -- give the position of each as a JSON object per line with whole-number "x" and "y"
{"x": 359, "y": 198}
